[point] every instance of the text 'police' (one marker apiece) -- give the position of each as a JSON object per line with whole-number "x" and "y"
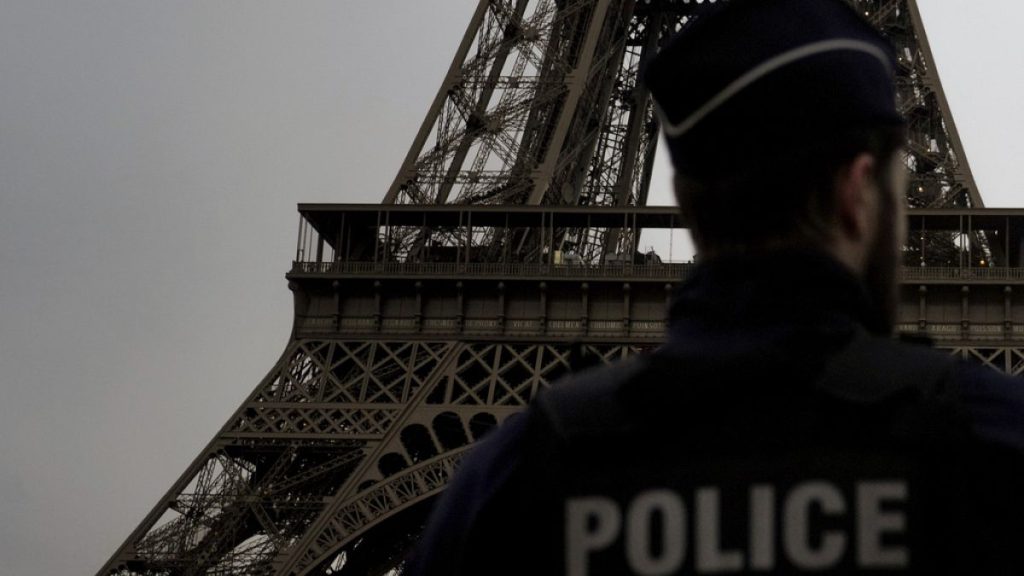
{"x": 655, "y": 533}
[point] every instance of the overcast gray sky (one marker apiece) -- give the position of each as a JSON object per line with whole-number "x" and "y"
{"x": 151, "y": 157}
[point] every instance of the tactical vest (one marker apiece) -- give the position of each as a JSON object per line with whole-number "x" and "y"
{"x": 867, "y": 464}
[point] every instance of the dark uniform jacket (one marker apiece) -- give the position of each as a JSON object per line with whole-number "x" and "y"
{"x": 772, "y": 434}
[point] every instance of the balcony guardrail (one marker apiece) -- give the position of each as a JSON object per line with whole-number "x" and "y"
{"x": 672, "y": 271}
{"x": 513, "y": 269}
{"x": 924, "y": 273}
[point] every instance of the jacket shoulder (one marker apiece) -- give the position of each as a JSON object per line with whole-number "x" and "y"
{"x": 587, "y": 403}
{"x": 994, "y": 404}
{"x": 871, "y": 368}
{"x": 990, "y": 401}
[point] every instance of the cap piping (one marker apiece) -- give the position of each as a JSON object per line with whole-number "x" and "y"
{"x": 764, "y": 69}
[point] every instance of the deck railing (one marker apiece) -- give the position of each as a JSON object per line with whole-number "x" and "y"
{"x": 512, "y": 269}
{"x": 673, "y": 271}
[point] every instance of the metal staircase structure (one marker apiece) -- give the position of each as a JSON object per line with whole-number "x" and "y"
{"x": 504, "y": 255}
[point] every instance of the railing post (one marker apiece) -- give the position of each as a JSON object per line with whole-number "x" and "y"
{"x": 965, "y": 321}
{"x": 418, "y": 318}
{"x": 626, "y": 307}
{"x": 460, "y": 317}
{"x": 501, "y": 306}
{"x": 1007, "y": 312}
{"x": 336, "y": 288}
{"x": 543, "y": 306}
{"x": 585, "y": 296}
{"x": 922, "y": 322}
{"x": 376, "y": 306}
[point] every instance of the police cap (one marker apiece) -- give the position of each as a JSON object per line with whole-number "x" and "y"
{"x": 749, "y": 80}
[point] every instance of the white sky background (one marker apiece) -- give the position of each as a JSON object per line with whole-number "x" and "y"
{"x": 151, "y": 157}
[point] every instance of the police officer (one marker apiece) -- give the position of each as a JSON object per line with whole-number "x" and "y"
{"x": 780, "y": 429}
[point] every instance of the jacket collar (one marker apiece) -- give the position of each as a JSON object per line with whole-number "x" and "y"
{"x": 780, "y": 290}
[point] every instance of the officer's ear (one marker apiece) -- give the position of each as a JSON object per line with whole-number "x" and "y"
{"x": 857, "y": 205}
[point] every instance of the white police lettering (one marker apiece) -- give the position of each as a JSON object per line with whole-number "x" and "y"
{"x": 807, "y": 539}
{"x": 590, "y": 524}
{"x": 872, "y": 522}
{"x": 796, "y": 526}
{"x": 762, "y": 527}
{"x": 639, "y": 548}
{"x": 710, "y": 556}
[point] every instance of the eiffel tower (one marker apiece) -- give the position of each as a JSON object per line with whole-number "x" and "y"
{"x": 504, "y": 255}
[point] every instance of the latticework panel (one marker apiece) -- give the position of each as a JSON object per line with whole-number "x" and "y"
{"x": 509, "y": 71}
{"x": 940, "y": 176}
{"x": 543, "y": 105}
{"x": 1000, "y": 358}
{"x": 270, "y": 472}
{"x": 278, "y": 493}
{"x": 339, "y": 437}
{"x": 482, "y": 385}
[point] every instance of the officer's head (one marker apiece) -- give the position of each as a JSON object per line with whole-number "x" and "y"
{"x": 781, "y": 119}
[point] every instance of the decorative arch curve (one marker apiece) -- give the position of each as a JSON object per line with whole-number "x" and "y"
{"x": 385, "y": 500}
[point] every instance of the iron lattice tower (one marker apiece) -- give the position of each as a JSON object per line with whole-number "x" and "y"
{"x": 425, "y": 321}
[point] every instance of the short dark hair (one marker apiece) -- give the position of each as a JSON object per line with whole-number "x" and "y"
{"x": 780, "y": 197}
